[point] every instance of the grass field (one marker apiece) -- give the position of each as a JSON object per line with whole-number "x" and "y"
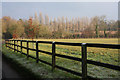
{"x": 104, "y": 55}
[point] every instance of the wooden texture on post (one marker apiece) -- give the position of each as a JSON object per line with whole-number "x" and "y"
{"x": 5, "y": 43}
{"x": 14, "y": 45}
{"x": 37, "y": 56}
{"x": 17, "y": 45}
{"x": 27, "y": 49}
{"x": 53, "y": 55}
{"x": 21, "y": 46}
{"x": 10, "y": 44}
{"x": 84, "y": 61}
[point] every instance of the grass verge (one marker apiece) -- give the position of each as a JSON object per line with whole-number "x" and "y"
{"x": 33, "y": 69}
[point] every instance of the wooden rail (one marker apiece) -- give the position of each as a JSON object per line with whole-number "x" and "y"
{"x": 53, "y": 54}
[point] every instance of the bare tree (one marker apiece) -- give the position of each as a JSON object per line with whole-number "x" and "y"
{"x": 55, "y": 25}
{"x": 41, "y": 18}
{"x": 70, "y": 25}
{"x": 47, "y": 20}
{"x": 51, "y": 24}
{"x": 36, "y": 20}
{"x": 67, "y": 25}
{"x": 73, "y": 25}
{"x": 63, "y": 24}
{"x": 78, "y": 24}
{"x": 59, "y": 23}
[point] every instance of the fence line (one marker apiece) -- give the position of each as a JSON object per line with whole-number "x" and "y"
{"x": 83, "y": 50}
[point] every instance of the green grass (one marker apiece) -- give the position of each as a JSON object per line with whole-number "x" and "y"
{"x": 104, "y": 55}
{"x": 40, "y": 70}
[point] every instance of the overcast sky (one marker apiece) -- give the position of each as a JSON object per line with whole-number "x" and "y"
{"x": 58, "y": 9}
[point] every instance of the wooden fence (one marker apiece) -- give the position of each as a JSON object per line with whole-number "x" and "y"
{"x": 53, "y": 54}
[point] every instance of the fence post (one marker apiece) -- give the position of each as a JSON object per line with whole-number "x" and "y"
{"x": 5, "y": 43}
{"x": 84, "y": 61}
{"x": 53, "y": 55}
{"x": 27, "y": 49}
{"x": 10, "y": 45}
{"x": 14, "y": 45}
{"x": 21, "y": 46}
{"x": 17, "y": 45}
{"x": 37, "y": 56}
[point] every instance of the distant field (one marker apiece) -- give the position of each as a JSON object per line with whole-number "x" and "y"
{"x": 98, "y": 40}
{"x": 104, "y": 55}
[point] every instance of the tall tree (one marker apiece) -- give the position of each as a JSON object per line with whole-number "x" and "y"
{"x": 76, "y": 24}
{"x": 51, "y": 24}
{"x": 70, "y": 25}
{"x": 96, "y": 21}
{"x": 55, "y": 25}
{"x": 31, "y": 29}
{"x": 20, "y": 29}
{"x": 41, "y": 18}
{"x": 59, "y": 23}
{"x": 5, "y": 23}
{"x": 79, "y": 24}
{"x": 67, "y": 25}
{"x": 47, "y": 20}
{"x": 73, "y": 25}
{"x": 63, "y": 23}
{"x": 36, "y": 20}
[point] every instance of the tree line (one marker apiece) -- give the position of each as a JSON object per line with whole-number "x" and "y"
{"x": 60, "y": 27}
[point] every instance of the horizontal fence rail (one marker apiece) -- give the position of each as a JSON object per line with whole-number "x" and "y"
{"x": 14, "y": 44}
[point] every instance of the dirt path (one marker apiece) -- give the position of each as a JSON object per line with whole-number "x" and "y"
{"x": 11, "y": 70}
{"x": 8, "y": 72}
